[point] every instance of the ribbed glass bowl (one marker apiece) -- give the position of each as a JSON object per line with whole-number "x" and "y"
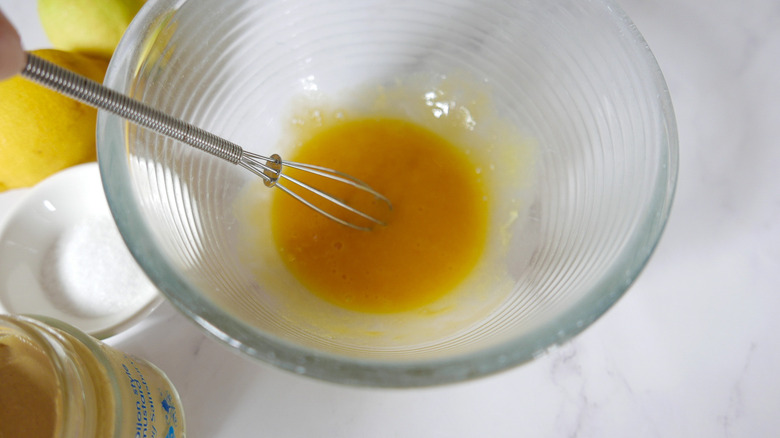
{"x": 573, "y": 77}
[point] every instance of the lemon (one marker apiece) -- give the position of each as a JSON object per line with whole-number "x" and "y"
{"x": 42, "y": 132}
{"x": 92, "y": 27}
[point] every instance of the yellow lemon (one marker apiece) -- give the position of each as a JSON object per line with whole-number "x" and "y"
{"x": 92, "y": 27}
{"x": 42, "y": 132}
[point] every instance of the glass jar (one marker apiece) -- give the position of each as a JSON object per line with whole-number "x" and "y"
{"x": 56, "y": 381}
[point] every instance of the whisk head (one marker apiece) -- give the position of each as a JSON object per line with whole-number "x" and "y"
{"x": 336, "y": 208}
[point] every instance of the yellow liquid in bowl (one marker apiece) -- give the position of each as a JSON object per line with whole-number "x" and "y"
{"x": 435, "y": 234}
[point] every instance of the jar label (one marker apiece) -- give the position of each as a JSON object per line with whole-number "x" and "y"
{"x": 151, "y": 399}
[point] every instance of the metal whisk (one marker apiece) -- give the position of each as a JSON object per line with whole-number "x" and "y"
{"x": 269, "y": 169}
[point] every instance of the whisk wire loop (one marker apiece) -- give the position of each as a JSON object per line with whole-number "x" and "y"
{"x": 337, "y": 176}
{"x": 332, "y": 199}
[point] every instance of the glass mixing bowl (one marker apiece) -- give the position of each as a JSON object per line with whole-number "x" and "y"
{"x": 574, "y": 80}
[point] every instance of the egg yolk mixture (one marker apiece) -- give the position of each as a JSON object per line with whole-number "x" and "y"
{"x": 434, "y": 235}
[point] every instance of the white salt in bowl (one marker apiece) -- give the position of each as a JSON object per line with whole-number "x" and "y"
{"x": 62, "y": 256}
{"x": 574, "y": 77}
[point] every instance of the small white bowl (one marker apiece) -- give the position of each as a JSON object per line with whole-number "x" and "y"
{"x": 62, "y": 256}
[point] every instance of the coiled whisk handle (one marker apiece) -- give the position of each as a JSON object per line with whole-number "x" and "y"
{"x": 269, "y": 169}
{"x": 96, "y": 95}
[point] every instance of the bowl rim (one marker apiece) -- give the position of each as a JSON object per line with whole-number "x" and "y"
{"x": 374, "y": 372}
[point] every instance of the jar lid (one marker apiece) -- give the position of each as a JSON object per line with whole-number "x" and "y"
{"x": 61, "y": 255}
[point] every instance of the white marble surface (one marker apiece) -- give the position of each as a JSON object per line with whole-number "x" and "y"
{"x": 691, "y": 350}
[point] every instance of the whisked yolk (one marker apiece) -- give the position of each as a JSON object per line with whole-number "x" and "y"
{"x": 435, "y": 233}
